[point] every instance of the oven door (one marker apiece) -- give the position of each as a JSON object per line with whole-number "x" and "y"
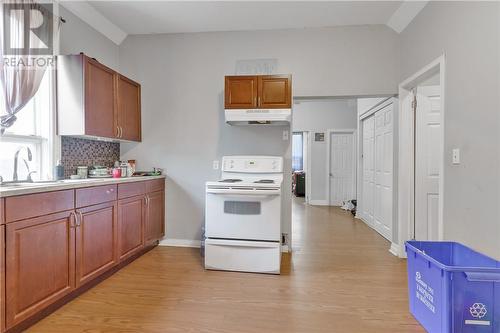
{"x": 243, "y": 214}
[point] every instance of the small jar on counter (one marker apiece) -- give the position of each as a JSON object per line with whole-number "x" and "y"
{"x": 82, "y": 172}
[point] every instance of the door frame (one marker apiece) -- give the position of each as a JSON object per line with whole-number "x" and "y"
{"x": 406, "y": 154}
{"x": 307, "y": 144}
{"x": 329, "y": 133}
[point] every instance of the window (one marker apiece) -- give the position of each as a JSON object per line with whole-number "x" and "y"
{"x": 33, "y": 130}
{"x": 297, "y": 152}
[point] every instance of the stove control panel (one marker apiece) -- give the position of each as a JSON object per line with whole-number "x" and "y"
{"x": 252, "y": 164}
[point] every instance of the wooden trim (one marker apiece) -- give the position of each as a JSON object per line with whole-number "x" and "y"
{"x": 87, "y": 286}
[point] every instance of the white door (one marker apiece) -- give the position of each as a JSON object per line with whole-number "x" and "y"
{"x": 383, "y": 198}
{"x": 428, "y": 143}
{"x": 368, "y": 186}
{"x": 341, "y": 168}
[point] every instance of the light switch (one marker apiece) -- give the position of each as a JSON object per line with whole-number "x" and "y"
{"x": 455, "y": 153}
{"x": 285, "y": 135}
{"x": 216, "y": 165}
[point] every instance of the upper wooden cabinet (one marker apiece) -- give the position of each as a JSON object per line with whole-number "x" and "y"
{"x": 99, "y": 99}
{"x": 258, "y": 92}
{"x": 241, "y": 92}
{"x": 94, "y": 100}
{"x": 128, "y": 112}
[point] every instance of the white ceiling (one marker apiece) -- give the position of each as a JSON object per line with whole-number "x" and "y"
{"x": 117, "y": 19}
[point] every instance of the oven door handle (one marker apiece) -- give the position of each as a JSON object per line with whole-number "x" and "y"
{"x": 244, "y": 192}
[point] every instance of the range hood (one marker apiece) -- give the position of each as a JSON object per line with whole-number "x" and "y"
{"x": 277, "y": 117}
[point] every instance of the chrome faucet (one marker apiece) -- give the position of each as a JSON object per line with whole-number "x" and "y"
{"x": 16, "y": 157}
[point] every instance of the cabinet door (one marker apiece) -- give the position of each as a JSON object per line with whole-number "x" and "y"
{"x": 240, "y": 92}
{"x": 128, "y": 108}
{"x": 275, "y": 92}
{"x": 2, "y": 278}
{"x": 155, "y": 217}
{"x": 131, "y": 214}
{"x": 99, "y": 100}
{"x": 96, "y": 241}
{"x": 40, "y": 261}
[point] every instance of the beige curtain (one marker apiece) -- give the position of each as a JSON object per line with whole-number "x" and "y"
{"x": 25, "y": 54}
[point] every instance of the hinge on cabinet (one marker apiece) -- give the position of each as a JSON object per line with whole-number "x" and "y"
{"x": 414, "y": 102}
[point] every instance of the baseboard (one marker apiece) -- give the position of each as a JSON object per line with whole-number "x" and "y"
{"x": 318, "y": 203}
{"x": 180, "y": 242}
{"x": 394, "y": 249}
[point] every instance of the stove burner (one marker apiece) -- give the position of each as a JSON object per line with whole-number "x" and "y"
{"x": 264, "y": 181}
{"x": 230, "y": 180}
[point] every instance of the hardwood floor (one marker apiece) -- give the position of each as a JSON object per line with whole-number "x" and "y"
{"x": 340, "y": 278}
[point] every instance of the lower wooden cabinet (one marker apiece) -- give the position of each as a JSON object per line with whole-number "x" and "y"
{"x": 40, "y": 264}
{"x": 47, "y": 257}
{"x": 155, "y": 217}
{"x": 96, "y": 241}
{"x": 131, "y": 215}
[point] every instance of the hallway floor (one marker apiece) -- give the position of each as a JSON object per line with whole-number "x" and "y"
{"x": 340, "y": 278}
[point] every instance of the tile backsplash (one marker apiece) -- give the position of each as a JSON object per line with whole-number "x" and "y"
{"x": 81, "y": 152}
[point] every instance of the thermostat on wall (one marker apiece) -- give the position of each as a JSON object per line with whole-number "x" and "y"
{"x": 319, "y": 136}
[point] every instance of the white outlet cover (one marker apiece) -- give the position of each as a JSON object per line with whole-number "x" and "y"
{"x": 285, "y": 135}
{"x": 216, "y": 165}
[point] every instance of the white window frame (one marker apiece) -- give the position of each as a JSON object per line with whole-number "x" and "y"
{"x": 48, "y": 151}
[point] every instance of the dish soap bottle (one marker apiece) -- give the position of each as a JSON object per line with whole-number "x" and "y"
{"x": 58, "y": 171}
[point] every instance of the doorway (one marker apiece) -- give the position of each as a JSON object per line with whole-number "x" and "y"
{"x": 421, "y": 155}
{"x": 342, "y": 167}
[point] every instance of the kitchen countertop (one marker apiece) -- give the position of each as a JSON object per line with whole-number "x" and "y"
{"x": 29, "y": 188}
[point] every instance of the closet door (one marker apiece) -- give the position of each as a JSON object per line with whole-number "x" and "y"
{"x": 368, "y": 169}
{"x": 383, "y": 187}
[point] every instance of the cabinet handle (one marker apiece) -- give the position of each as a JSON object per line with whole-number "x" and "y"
{"x": 255, "y": 101}
{"x": 121, "y": 132}
{"x": 117, "y": 131}
{"x": 258, "y": 101}
{"x": 79, "y": 220}
{"x": 72, "y": 219}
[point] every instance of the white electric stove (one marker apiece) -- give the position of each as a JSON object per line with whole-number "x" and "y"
{"x": 243, "y": 215}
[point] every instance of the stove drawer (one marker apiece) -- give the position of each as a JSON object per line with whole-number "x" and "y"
{"x": 243, "y": 256}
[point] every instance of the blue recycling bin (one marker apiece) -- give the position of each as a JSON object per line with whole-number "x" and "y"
{"x": 452, "y": 288}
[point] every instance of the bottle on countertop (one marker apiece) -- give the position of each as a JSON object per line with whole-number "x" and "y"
{"x": 58, "y": 171}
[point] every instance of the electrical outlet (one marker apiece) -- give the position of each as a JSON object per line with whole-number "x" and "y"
{"x": 455, "y": 153}
{"x": 285, "y": 135}
{"x": 216, "y": 165}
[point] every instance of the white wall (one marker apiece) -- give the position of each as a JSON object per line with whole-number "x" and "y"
{"x": 320, "y": 115}
{"x": 365, "y": 104}
{"x": 77, "y": 36}
{"x": 468, "y": 34}
{"x": 182, "y": 77}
